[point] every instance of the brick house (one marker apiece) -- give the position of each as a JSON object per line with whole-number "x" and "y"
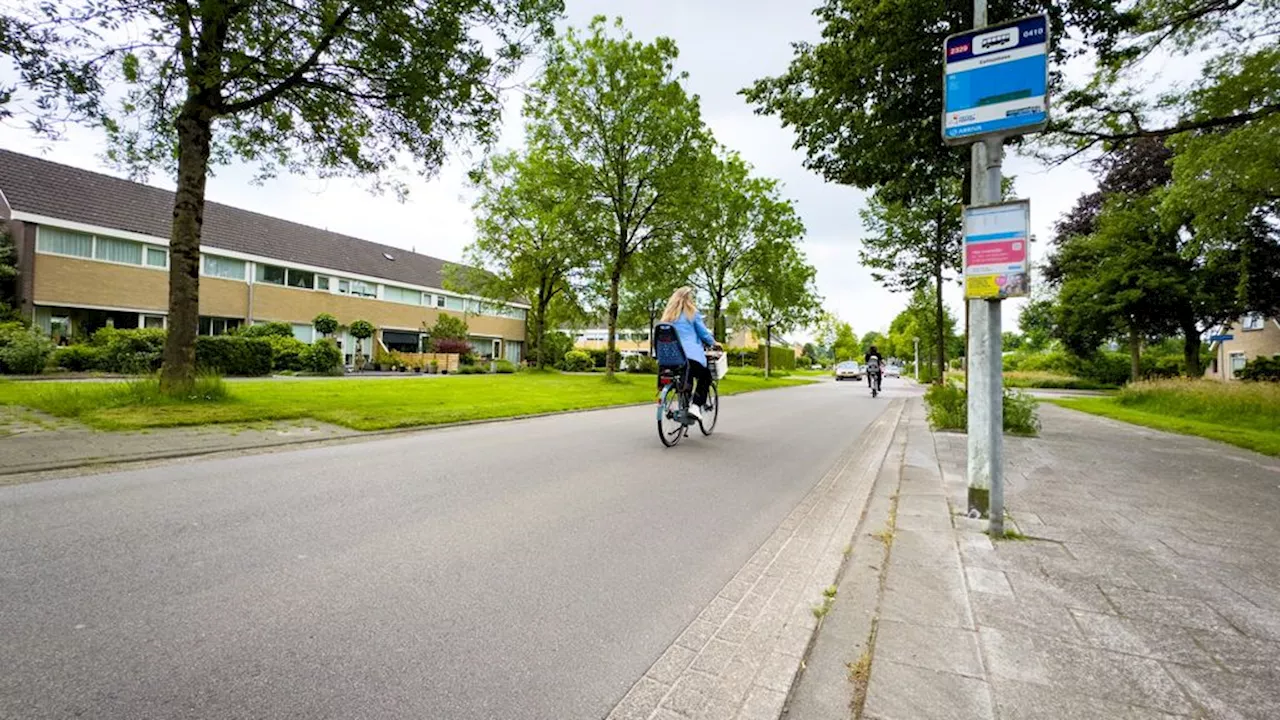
{"x": 92, "y": 250}
{"x": 1252, "y": 336}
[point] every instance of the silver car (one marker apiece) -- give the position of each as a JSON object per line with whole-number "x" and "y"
{"x": 849, "y": 370}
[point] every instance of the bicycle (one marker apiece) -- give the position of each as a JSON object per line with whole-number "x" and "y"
{"x": 874, "y": 377}
{"x": 676, "y": 392}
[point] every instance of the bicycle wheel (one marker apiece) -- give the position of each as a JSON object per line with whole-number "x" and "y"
{"x": 670, "y": 417}
{"x": 707, "y": 423}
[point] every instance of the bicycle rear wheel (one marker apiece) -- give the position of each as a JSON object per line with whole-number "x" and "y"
{"x": 707, "y": 423}
{"x": 670, "y": 417}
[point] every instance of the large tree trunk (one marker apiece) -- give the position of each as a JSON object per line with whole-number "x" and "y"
{"x": 1135, "y": 355}
{"x": 540, "y": 334}
{"x": 717, "y": 316}
{"x": 942, "y": 331}
{"x": 195, "y": 134}
{"x": 615, "y": 281}
{"x": 1191, "y": 350}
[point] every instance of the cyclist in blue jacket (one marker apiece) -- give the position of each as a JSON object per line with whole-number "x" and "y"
{"x": 682, "y": 313}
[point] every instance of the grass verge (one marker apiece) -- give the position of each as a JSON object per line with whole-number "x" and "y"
{"x": 356, "y": 404}
{"x": 1026, "y": 379}
{"x": 1262, "y": 441}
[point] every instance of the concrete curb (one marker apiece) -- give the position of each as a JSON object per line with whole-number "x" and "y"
{"x": 739, "y": 659}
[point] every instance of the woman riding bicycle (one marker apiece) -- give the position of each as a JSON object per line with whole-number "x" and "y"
{"x": 683, "y": 314}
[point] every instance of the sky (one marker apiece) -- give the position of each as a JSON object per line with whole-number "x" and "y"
{"x": 724, "y": 47}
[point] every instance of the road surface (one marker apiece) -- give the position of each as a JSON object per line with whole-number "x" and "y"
{"x": 530, "y": 569}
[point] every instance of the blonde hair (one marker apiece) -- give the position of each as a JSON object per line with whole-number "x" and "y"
{"x": 680, "y": 305}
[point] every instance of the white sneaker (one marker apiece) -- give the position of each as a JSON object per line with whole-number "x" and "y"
{"x": 695, "y": 412}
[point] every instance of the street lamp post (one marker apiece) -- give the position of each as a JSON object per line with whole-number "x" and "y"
{"x": 916, "y": 340}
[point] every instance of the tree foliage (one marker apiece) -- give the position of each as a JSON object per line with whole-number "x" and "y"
{"x": 341, "y": 87}
{"x": 613, "y": 117}
{"x": 783, "y": 296}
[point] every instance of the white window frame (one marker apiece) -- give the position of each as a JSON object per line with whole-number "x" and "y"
{"x": 1231, "y": 362}
{"x": 246, "y": 267}
{"x": 146, "y": 254}
{"x": 142, "y": 320}
{"x": 1253, "y": 322}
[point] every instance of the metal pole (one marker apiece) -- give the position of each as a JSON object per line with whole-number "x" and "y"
{"x": 917, "y": 342}
{"x": 986, "y": 395}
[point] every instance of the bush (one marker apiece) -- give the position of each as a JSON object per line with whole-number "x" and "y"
{"x": 448, "y": 327}
{"x": 135, "y": 352}
{"x": 642, "y": 364}
{"x": 286, "y": 352}
{"x": 325, "y": 324}
{"x": 323, "y": 358}
{"x": 271, "y": 329}
{"x": 23, "y": 351}
{"x": 504, "y": 367}
{"x": 947, "y": 408}
{"x": 600, "y": 358}
{"x": 742, "y": 357}
{"x": 577, "y": 361}
{"x": 780, "y": 358}
{"x": 78, "y": 358}
{"x": 234, "y": 355}
{"x": 1262, "y": 369}
{"x": 472, "y": 369}
{"x": 453, "y": 346}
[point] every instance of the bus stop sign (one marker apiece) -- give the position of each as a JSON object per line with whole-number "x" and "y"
{"x": 996, "y": 80}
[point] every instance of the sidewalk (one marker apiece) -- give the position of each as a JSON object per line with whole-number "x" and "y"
{"x": 1149, "y": 587}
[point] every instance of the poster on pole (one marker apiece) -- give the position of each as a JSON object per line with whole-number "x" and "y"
{"x": 996, "y": 261}
{"x": 996, "y": 80}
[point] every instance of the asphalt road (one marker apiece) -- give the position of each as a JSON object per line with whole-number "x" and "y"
{"x": 530, "y": 569}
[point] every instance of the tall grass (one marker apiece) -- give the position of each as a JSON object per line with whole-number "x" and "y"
{"x": 947, "y": 408}
{"x": 70, "y": 400}
{"x": 1239, "y": 404}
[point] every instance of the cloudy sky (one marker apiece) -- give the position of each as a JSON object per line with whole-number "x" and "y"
{"x": 724, "y": 47}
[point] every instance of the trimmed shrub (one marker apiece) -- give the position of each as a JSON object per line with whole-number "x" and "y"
{"x": 78, "y": 358}
{"x": 286, "y": 352}
{"x": 947, "y": 408}
{"x": 504, "y": 367}
{"x": 1262, "y": 369}
{"x": 743, "y": 356}
{"x": 233, "y": 355}
{"x": 325, "y": 324}
{"x": 271, "y": 329}
{"x": 577, "y": 361}
{"x": 472, "y": 370}
{"x": 642, "y": 364}
{"x": 23, "y": 351}
{"x": 323, "y": 358}
{"x": 135, "y": 352}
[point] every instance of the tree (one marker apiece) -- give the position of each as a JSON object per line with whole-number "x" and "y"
{"x": 529, "y": 239}
{"x": 1036, "y": 324}
{"x": 448, "y": 327}
{"x": 361, "y": 330}
{"x": 918, "y": 321}
{"x": 866, "y": 101}
{"x": 782, "y": 297}
{"x": 654, "y": 274}
{"x": 845, "y": 345}
{"x": 909, "y": 245}
{"x": 873, "y": 338}
{"x": 612, "y": 116}
{"x": 325, "y": 324}
{"x": 727, "y": 223}
{"x": 343, "y": 87}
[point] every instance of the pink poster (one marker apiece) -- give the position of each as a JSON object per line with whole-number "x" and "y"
{"x": 996, "y": 252}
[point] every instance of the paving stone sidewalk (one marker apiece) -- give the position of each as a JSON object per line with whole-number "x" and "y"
{"x": 1150, "y": 587}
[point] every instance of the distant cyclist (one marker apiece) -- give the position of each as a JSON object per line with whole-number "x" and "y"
{"x": 875, "y": 368}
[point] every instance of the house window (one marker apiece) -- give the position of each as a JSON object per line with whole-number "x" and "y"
{"x": 1238, "y": 361}
{"x": 364, "y": 289}
{"x": 1253, "y": 321}
{"x": 305, "y": 333}
{"x": 439, "y": 301}
{"x": 223, "y": 267}
{"x": 64, "y": 242}
{"x": 452, "y": 303}
{"x": 301, "y": 279}
{"x": 515, "y": 352}
{"x": 322, "y": 283}
{"x": 399, "y": 341}
{"x": 218, "y": 326}
{"x": 391, "y": 293}
{"x": 118, "y": 251}
{"x": 271, "y": 274}
{"x": 157, "y": 257}
{"x": 344, "y": 287}
{"x": 153, "y": 322}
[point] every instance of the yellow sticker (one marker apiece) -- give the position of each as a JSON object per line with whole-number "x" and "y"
{"x": 981, "y": 286}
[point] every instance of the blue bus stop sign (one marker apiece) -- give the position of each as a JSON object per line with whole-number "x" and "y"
{"x": 996, "y": 80}
{"x": 1221, "y": 338}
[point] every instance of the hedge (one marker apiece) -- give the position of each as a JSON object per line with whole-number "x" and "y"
{"x": 234, "y": 355}
{"x": 781, "y": 357}
{"x": 1262, "y": 369}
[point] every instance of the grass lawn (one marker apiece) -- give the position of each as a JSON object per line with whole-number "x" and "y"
{"x": 1042, "y": 380}
{"x": 1243, "y": 414}
{"x": 357, "y": 404}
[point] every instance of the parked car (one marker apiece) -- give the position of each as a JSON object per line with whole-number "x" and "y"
{"x": 848, "y": 371}
{"x": 892, "y": 370}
